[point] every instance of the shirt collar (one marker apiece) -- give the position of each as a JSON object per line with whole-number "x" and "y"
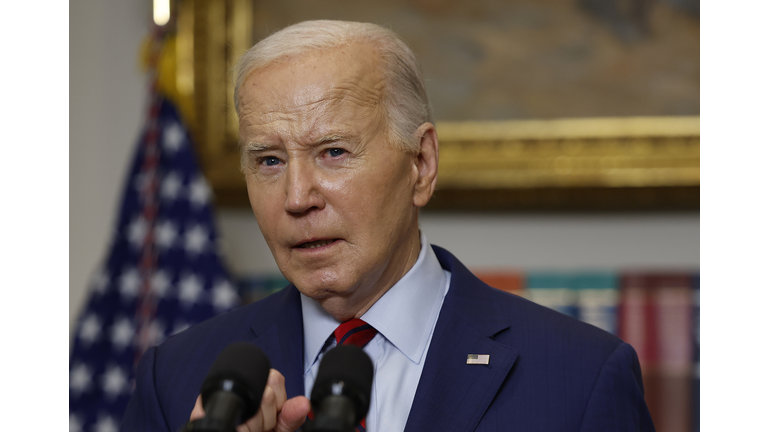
{"x": 318, "y": 325}
{"x": 404, "y": 315}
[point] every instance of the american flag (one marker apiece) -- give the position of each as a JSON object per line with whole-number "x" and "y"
{"x": 162, "y": 275}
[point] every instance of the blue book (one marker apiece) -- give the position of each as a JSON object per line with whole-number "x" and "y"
{"x": 597, "y": 299}
{"x": 552, "y": 290}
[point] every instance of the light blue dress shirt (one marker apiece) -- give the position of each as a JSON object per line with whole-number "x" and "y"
{"x": 405, "y": 317}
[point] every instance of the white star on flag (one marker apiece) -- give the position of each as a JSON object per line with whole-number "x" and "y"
{"x": 171, "y": 186}
{"x": 100, "y": 282}
{"x": 122, "y": 333}
{"x": 105, "y": 424}
{"x": 75, "y": 424}
{"x": 129, "y": 284}
{"x": 165, "y": 234}
{"x": 79, "y": 379}
{"x": 189, "y": 290}
{"x": 141, "y": 181}
{"x": 195, "y": 239}
{"x": 224, "y": 295}
{"x": 137, "y": 232}
{"x": 173, "y": 137}
{"x": 179, "y": 327}
{"x": 90, "y": 329}
{"x": 155, "y": 332}
{"x": 160, "y": 283}
{"x": 114, "y": 381}
{"x": 199, "y": 192}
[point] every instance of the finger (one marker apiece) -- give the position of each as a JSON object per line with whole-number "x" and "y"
{"x": 253, "y": 424}
{"x": 276, "y": 382}
{"x": 265, "y": 418}
{"x": 197, "y": 411}
{"x": 268, "y": 409}
{"x": 293, "y": 414}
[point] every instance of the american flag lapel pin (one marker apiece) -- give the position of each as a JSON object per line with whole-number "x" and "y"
{"x": 481, "y": 359}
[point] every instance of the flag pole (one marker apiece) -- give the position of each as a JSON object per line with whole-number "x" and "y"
{"x": 146, "y": 303}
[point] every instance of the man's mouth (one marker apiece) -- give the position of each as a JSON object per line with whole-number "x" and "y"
{"x": 316, "y": 244}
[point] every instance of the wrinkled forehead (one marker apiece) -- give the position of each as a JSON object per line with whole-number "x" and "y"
{"x": 348, "y": 73}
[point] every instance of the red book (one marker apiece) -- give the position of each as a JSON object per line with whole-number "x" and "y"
{"x": 655, "y": 318}
{"x": 505, "y": 280}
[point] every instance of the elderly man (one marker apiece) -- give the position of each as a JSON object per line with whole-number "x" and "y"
{"x": 339, "y": 154}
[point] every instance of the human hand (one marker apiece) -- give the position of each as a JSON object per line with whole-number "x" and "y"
{"x": 275, "y": 413}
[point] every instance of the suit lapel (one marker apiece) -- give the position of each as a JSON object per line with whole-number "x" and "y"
{"x": 453, "y": 395}
{"x": 281, "y": 337}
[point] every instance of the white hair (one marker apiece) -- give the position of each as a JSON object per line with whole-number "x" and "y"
{"x": 404, "y": 101}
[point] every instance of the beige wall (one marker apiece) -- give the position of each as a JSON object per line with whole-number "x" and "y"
{"x": 106, "y": 104}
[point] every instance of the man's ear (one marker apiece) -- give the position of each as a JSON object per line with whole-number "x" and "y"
{"x": 425, "y": 164}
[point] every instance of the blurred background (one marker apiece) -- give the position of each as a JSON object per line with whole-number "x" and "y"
{"x": 632, "y": 270}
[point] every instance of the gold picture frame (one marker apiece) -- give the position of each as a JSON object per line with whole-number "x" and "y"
{"x": 588, "y": 164}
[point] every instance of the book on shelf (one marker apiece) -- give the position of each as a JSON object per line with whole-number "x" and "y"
{"x": 655, "y": 318}
{"x": 597, "y": 299}
{"x": 506, "y": 280}
{"x": 553, "y": 290}
{"x": 696, "y": 354}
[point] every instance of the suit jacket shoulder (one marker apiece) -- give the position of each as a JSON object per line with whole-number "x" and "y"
{"x": 169, "y": 376}
{"x": 545, "y": 370}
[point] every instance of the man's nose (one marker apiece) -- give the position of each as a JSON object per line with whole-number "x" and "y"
{"x": 302, "y": 192}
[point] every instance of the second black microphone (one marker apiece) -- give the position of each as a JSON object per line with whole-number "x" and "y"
{"x": 341, "y": 394}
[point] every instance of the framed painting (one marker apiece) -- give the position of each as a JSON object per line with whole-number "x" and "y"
{"x": 540, "y": 105}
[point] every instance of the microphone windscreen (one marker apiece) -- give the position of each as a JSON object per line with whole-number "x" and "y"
{"x": 244, "y": 364}
{"x": 348, "y": 364}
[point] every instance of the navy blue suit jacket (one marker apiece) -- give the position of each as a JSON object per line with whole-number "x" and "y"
{"x": 547, "y": 372}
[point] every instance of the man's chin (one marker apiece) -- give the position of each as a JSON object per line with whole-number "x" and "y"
{"x": 319, "y": 292}
{"x": 340, "y": 308}
{"x": 336, "y": 300}
{"x": 322, "y": 294}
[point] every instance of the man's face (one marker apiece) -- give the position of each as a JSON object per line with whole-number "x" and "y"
{"x": 334, "y": 199}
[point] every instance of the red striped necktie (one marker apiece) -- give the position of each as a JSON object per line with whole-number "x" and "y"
{"x": 353, "y": 332}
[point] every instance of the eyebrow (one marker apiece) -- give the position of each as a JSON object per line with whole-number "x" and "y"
{"x": 257, "y": 147}
{"x": 329, "y": 138}
{"x": 351, "y": 138}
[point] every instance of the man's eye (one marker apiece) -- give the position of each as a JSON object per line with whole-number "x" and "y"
{"x": 334, "y": 152}
{"x": 270, "y": 161}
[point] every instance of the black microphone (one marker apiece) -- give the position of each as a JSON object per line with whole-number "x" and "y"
{"x": 341, "y": 394}
{"x": 233, "y": 388}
